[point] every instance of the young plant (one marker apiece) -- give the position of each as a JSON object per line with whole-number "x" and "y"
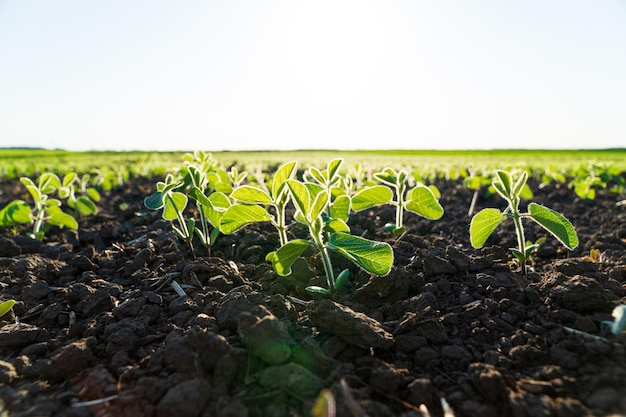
{"x": 80, "y": 196}
{"x": 328, "y": 234}
{"x": 487, "y": 220}
{"x": 334, "y": 186}
{"x": 6, "y": 306}
{"x": 420, "y": 199}
{"x": 254, "y": 202}
{"x": 46, "y": 212}
{"x": 173, "y": 203}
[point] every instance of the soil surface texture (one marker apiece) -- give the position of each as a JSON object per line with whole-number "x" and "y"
{"x": 98, "y": 329}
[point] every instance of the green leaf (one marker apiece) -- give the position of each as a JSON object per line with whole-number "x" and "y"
{"x": 371, "y": 196}
{"x": 85, "y": 206}
{"x": 337, "y": 226}
{"x": 68, "y": 179}
{"x": 219, "y": 200}
{"x": 520, "y": 183}
{"x": 526, "y": 193}
{"x": 174, "y": 203}
{"x": 93, "y": 194}
{"x": 506, "y": 181}
{"x": 286, "y": 255}
{"x": 251, "y": 195}
{"x": 319, "y": 205}
{"x": 61, "y": 219}
{"x": 317, "y": 290}
{"x": 333, "y": 167}
{"x": 423, "y": 202}
{"x": 340, "y": 208}
{"x": 483, "y": 224}
{"x": 154, "y": 201}
{"x": 282, "y": 174}
{"x": 34, "y": 191}
{"x": 555, "y": 223}
{"x": 387, "y": 176}
{"x": 17, "y": 211}
{"x": 239, "y": 215}
{"x": 301, "y": 196}
{"x": 317, "y": 175}
{"x": 6, "y": 306}
{"x": 48, "y": 182}
{"x": 374, "y": 257}
{"x": 341, "y": 280}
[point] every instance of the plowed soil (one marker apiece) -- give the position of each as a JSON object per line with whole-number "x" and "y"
{"x": 98, "y": 329}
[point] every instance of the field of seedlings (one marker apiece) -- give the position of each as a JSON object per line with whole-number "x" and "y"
{"x": 313, "y": 283}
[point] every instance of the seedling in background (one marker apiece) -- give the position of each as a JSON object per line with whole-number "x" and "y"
{"x": 487, "y": 220}
{"x": 254, "y": 203}
{"x": 6, "y": 306}
{"x": 312, "y": 201}
{"x": 46, "y": 212}
{"x": 420, "y": 199}
{"x": 596, "y": 256}
{"x": 618, "y": 326}
{"x": 80, "y": 196}
{"x": 173, "y": 196}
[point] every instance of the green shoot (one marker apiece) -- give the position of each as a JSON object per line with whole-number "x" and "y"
{"x": 327, "y": 233}
{"x": 420, "y": 199}
{"x": 485, "y": 222}
{"x": 253, "y": 201}
{"x": 6, "y": 306}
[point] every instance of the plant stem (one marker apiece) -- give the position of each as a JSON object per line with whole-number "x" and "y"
{"x": 400, "y": 206}
{"x": 328, "y": 267}
{"x": 280, "y": 225}
{"x": 521, "y": 240}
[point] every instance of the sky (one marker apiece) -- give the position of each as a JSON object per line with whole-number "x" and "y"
{"x": 323, "y": 74}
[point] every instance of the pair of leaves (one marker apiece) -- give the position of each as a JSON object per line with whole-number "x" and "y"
{"x": 421, "y": 200}
{"x": 487, "y": 220}
{"x": 371, "y": 256}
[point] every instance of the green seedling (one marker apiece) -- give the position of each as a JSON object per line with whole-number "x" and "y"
{"x": 420, "y": 199}
{"x": 327, "y": 234}
{"x": 173, "y": 196}
{"x": 46, "y": 211}
{"x": 334, "y": 186}
{"x": 6, "y": 306}
{"x": 617, "y": 326}
{"x": 80, "y": 196}
{"x": 254, "y": 203}
{"x": 485, "y": 222}
{"x": 173, "y": 203}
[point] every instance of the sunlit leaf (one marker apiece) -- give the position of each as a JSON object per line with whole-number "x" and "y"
{"x": 423, "y": 202}
{"x": 483, "y": 224}
{"x": 286, "y": 255}
{"x": 371, "y": 196}
{"x": 555, "y": 223}
{"x": 239, "y": 215}
{"x": 374, "y": 257}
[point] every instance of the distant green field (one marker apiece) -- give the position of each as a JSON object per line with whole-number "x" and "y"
{"x": 18, "y": 162}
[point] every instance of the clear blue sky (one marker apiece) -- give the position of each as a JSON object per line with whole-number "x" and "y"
{"x": 213, "y": 75}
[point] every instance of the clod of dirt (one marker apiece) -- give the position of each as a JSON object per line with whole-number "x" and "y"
{"x": 353, "y": 327}
{"x": 19, "y": 335}
{"x": 265, "y": 337}
{"x": 293, "y": 377}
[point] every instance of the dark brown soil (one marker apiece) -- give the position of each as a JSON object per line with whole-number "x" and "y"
{"x": 101, "y": 331}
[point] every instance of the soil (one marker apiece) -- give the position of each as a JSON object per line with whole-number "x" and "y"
{"x": 97, "y": 328}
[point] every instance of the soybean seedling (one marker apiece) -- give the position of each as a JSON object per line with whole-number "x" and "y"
{"x": 46, "y": 211}
{"x": 420, "y": 199}
{"x": 6, "y": 306}
{"x": 328, "y": 234}
{"x": 487, "y": 220}
{"x": 254, "y": 202}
